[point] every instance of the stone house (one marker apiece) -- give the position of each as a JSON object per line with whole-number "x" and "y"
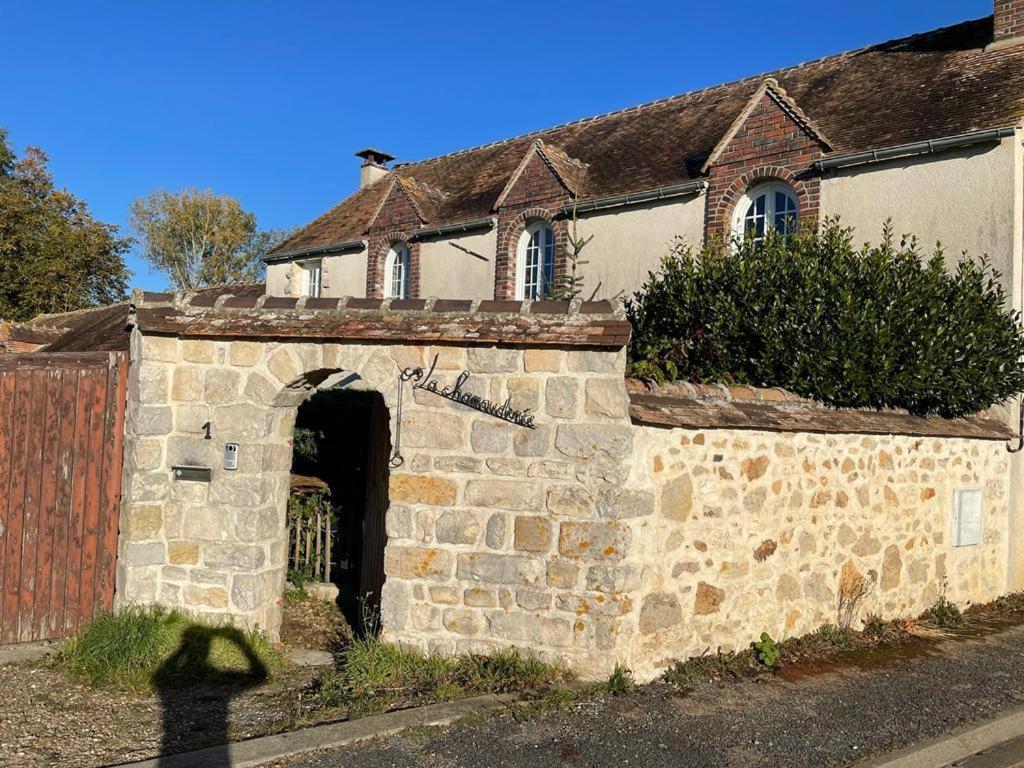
{"x": 925, "y": 130}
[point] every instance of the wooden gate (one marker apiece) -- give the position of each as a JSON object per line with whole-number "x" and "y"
{"x": 371, "y": 577}
{"x": 61, "y": 435}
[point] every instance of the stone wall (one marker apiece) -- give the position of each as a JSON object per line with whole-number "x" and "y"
{"x": 589, "y": 540}
{"x": 754, "y": 532}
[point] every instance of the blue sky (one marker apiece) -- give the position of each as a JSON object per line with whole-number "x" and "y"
{"x": 267, "y": 101}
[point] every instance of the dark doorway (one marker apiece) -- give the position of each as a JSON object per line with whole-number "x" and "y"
{"x": 343, "y": 439}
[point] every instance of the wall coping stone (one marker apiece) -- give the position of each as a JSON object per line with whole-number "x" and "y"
{"x": 717, "y": 406}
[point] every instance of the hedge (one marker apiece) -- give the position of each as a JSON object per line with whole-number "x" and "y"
{"x": 879, "y": 326}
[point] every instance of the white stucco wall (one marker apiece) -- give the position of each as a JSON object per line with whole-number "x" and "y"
{"x": 278, "y": 279}
{"x": 630, "y": 242}
{"x": 963, "y": 199}
{"x": 344, "y": 275}
{"x": 449, "y": 273}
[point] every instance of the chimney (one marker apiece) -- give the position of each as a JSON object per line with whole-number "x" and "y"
{"x": 375, "y": 164}
{"x": 1008, "y": 25}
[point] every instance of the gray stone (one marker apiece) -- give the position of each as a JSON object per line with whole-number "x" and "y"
{"x": 497, "y": 525}
{"x": 500, "y": 569}
{"x": 594, "y": 541}
{"x": 507, "y": 467}
{"x": 260, "y": 389}
{"x": 607, "y": 397}
{"x": 468, "y": 464}
{"x": 614, "y": 578}
{"x": 660, "y": 610}
{"x": 490, "y": 436}
{"x": 239, "y": 490}
{"x": 433, "y": 430}
{"x": 242, "y": 421}
{"x": 149, "y": 486}
{"x": 537, "y": 630}
{"x": 560, "y": 397}
{"x": 503, "y": 494}
{"x": 594, "y": 441}
{"x": 145, "y": 553}
{"x": 532, "y": 442}
{"x": 457, "y": 527}
{"x": 398, "y": 521}
{"x": 151, "y": 420}
{"x": 394, "y": 605}
{"x": 221, "y": 385}
{"x": 597, "y": 362}
{"x": 575, "y": 500}
{"x": 619, "y": 503}
{"x": 259, "y": 524}
{"x": 244, "y": 556}
{"x": 305, "y": 657}
{"x": 251, "y": 591}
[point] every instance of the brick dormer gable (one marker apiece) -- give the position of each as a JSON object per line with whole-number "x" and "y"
{"x": 761, "y": 137}
{"x": 406, "y": 204}
{"x": 548, "y": 172}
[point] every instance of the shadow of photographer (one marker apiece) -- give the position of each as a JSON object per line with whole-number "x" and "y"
{"x": 195, "y": 694}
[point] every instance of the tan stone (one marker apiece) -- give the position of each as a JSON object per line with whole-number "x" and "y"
{"x": 560, "y": 395}
{"x": 574, "y": 500}
{"x": 892, "y": 564}
{"x": 562, "y": 574}
{"x": 283, "y": 366}
{"x": 677, "y": 498}
{"x": 457, "y": 527}
{"x": 444, "y": 595}
{"x": 462, "y": 621}
{"x": 480, "y": 597}
{"x": 244, "y": 353}
{"x": 449, "y": 358}
{"x": 524, "y": 393}
{"x": 422, "y": 489}
{"x": 535, "y": 360}
{"x": 183, "y": 553}
{"x": 532, "y": 534}
{"x": 187, "y": 384}
{"x": 754, "y": 468}
{"x": 708, "y": 599}
{"x": 211, "y": 597}
{"x": 606, "y": 397}
{"x": 221, "y": 385}
{"x": 142, "y": 522}
{"x": 433, "y": 430}
{"x": 416, "y": 562}
{"x": 659, "y": 610}
{"x": 503, "y": 494}
{"x": 197, "y": 350}
{"x": 765, "y": 550}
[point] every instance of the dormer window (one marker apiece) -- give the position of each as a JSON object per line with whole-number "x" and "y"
{"x": 765, "y": 208}
{"x": 535, "y": 262}
{"x": 311, "y": 279}
{"x": 396, "y": 273}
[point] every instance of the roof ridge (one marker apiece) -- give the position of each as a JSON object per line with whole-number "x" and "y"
{"x": 688, "y": 94}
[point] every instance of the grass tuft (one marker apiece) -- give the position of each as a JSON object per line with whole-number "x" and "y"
{"x": 374, "y": 676}
{"x": 150, "y": 647}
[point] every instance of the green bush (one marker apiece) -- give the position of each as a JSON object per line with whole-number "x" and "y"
{"x": 766, "y": 650}
{"x": 875, "y": 327}
{"x": 149, "y": 647}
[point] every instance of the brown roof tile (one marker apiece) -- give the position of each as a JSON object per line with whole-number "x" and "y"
{"x": 937, "y": 84}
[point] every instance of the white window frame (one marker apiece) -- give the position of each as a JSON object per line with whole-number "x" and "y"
{"x": 312, "y": 277}
{"x": 396, "y": 272}
{"x": 769, "y": 189}
{"x": 526, "y": 250}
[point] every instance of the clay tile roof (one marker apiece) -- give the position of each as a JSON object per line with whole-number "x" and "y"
{"x": 716, "y": 406}
{"x": 928, "y": 86}
{"x": 217, "y": 315}
{"x": 99, "y": 329}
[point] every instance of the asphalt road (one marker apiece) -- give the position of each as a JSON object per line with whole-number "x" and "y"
{"x": 830, "y": 718}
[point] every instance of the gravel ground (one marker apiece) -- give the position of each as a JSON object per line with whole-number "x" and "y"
{"x": 826, "y": 716}
{"x": 46, "y": 720}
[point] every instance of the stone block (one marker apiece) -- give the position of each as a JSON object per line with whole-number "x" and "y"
{"x": 562, "y": 574}
{"x": 398, "y": 521}
{"x": 283, "y": 365}
{"x": 147, "y": 453}
{"x": 187, "y": 385}
{"x": 242, "y": 421}
{"x": 503, "y": 494}
{"x": 149, "y": 486}
{"x": 145, "y": 553}
{"x": 595, "y": 441}
{"x": 497, "y": 525}
{"x": 182, "y": 552}
{"x": 153, "y": 384}
{"x": 607, "y": 398}
{"x": 433, "y": 430}
{"x": 457, "y": 527}
{"x": 205, "y": 597}
{"x": 463, "y": 464}
{"x": 260, "y": 389}
{"x": 480, "y": 597}
{"x": 533, "y": 599}
{"x": 416, "y": 562}
{"x": 444, "y": 595}
{"x": 197, "y": 350}
{"x": 422, "y": 489}
{"x": 614, "y": 578}
{"x": 532, "y": 534}
{"x": 490, "y": 436}
{"x": 535, "y": 360}
{"x": 151, "y": 420}
{"x": 507, "y": 467}
{"x": 659, "y": 611}
{"x": 537, "y": 630}
{"x": 234, "y": 556}
{"x": 237, "y": 490}
{"x": 394, "y": 604}
{"x": 221, "y": 385}
{"x": 597, "y": 605}
{"x": 524, "y": 393}
{"x": 252, "y": 591}
{"x": 532, "y": 442}
{"x": 677, "y": 498}
{"x": 561, "y": 396}
{"x": 597, "y": 362}
{"x": 708, "y": 599}
{"x": 500, "y": 569}
{"x": 620, "y": 503}
{"x": 462, "y": 621}
{"x": 594, "y": 541}
{"x": 492, "y": 360}
{"x": 161, "y": 348}
{"x": 141, "y": 522}
{"x": 259, "y": 524}
{"x": 244, "y": 353}
{"x": 449, "y": 358}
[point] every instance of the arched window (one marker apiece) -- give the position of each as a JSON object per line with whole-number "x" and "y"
{"x": 535, "y": 262}
{"x": 764, "y": 208}
{"x": 396, "y": 273}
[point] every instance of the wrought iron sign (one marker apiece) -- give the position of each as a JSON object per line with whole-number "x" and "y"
{"x": 424, "y": 379}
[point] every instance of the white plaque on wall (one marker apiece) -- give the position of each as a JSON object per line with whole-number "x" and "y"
{"x": 966, "y": 517}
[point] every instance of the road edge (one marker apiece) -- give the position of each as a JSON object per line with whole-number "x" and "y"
{"x": 956, "y": 745}
{"x": 266, "y": 749}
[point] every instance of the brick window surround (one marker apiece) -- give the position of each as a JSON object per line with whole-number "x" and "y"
{"x": 509, "y": 235}
{"x": 377, "y": 253}
{"x": 722, "y": 200}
